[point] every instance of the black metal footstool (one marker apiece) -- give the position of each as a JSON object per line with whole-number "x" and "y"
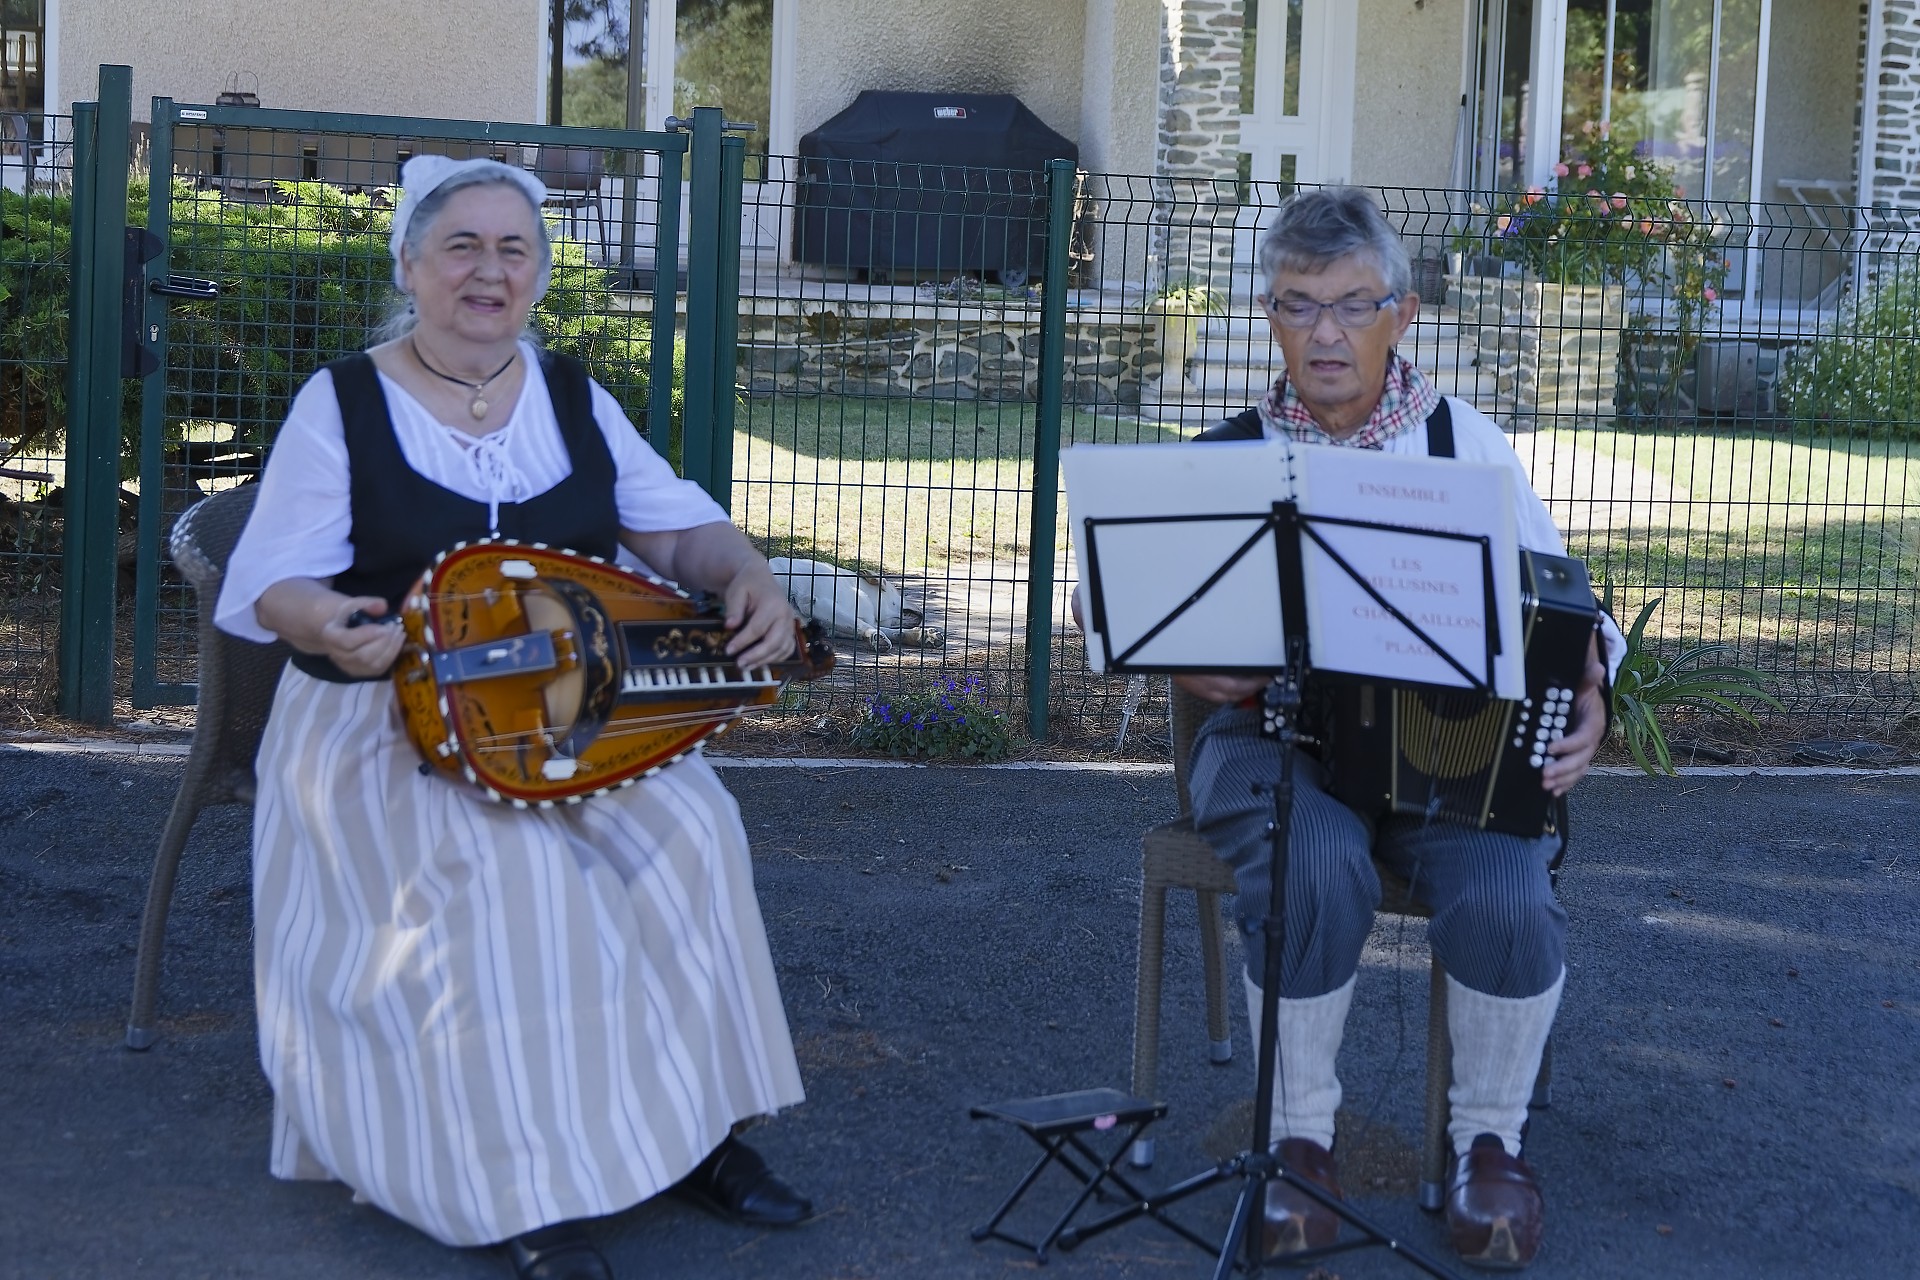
{"x": 1056, "y": 1122}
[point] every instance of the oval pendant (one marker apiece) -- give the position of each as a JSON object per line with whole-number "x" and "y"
{"x": 478, "y": 408}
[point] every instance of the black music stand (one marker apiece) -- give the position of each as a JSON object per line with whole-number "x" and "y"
{"x": 1286, "y": 525}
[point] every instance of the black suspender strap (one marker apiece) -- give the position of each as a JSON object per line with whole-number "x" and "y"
{"x": 1440, "y": 431}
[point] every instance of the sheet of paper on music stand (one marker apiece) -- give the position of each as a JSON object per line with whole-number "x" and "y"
{"x": 1437, "y": 582}
{"x": 1221, "y": 494}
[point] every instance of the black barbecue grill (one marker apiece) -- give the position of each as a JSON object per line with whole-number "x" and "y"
{"x": 927, "y": 182}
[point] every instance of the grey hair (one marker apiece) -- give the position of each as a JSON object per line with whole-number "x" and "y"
{"x": 1315, "y": 229}
{"x": 401, "y": 319}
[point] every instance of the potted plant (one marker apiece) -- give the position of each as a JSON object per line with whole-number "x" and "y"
{"x": 1614, "y": 220}
{"x": 1177, "y": 311}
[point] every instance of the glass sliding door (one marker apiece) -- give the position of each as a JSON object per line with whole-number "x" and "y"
{"x": 723, "y": 57}
{"x": 1678, "y": 78}
{"x": 1505, "y": 96}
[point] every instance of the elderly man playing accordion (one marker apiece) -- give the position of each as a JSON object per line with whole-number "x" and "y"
{"x": 1339, "y": 297}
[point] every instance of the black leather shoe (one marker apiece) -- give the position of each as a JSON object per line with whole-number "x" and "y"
{"x": 562, "y": 1251}
{"x": 734, "y": 1182}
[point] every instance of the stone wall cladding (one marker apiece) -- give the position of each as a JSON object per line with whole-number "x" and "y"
{"x": 1197, "y": 153}
{"x": 970, "y": 353}
{"x": 1896, "y": 140}
{"x": 1554, "y": 350}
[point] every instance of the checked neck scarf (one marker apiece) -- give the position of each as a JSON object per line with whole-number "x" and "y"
{"x": 1404, "y": 405}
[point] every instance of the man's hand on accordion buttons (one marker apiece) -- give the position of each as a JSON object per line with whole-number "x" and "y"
{"x": 1573, "y": 754}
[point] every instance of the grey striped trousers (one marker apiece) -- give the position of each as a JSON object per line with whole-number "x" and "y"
{"x": 1496, "y": 924}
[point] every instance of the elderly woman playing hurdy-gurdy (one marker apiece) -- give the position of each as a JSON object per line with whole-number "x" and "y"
{"x": 492, "y": 1022}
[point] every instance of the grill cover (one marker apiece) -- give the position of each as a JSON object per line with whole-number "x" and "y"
{"x": 927, "y": 182}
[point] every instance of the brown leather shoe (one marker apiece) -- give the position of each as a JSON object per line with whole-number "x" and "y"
{"x": 1494, "y": 1210}
{"x": 1294, "y": 1221}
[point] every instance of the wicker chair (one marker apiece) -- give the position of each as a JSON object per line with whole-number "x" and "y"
{"x": 1174, "y": 856}
{"x": 237, "y": 680}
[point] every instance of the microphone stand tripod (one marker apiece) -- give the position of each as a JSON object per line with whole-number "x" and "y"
{"x": 1260, "y": 1164}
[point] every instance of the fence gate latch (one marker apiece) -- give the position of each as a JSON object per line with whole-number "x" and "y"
{"x": 137, "y": 359}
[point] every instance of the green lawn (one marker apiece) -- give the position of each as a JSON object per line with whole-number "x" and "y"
{"x": 1802, "y": 550}
{"x": 904, "y": 486}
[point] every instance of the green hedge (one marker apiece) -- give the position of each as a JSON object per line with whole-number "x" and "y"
{"x": 303, "y": 280}
{"x": 1866, "y": 374}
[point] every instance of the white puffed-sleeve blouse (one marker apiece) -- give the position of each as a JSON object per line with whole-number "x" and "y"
{"x": 302, "y": 517}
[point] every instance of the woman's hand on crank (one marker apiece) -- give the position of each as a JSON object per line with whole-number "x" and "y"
{"x": 759, "y": 616}
{"x": 365, "y": 649}
{"x": 1569, "y": 759}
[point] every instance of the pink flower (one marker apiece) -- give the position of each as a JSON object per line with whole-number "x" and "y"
{"x": 1589, "y": 126}
{"x": 1709, "y": 294}
{"x": 1679, "y": 193}
{"x": 1619, "y": 200}
{"x": 1560, "y": 170}
{"x": 1646, "y": 227}
{"x": 1606, "y": 128}
{"x": 1585, "y": 171}
{"x": 1501, "y": 224}
{"x": 1533, "y": 194}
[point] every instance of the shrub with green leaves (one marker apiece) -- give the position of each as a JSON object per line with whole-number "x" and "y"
{"x": 945, "y": 719}
{"x": 1866, "y": 373}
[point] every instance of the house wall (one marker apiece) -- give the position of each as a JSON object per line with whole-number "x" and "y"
{"x": 323, "y": 55}
{"x": 1406, "y": 92}
{"x": 1120, "y": 55}
{"x": 1031, "y": 48}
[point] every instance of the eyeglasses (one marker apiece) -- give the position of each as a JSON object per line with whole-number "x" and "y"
{"x": 1348, "y": 313}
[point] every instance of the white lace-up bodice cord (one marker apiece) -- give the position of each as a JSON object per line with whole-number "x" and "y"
{"x": 493, "y": 470}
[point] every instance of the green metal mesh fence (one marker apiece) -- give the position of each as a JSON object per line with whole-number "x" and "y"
{"x": 1716, "y": 402}
{"x": 36, "y": 177}
{"x": 886, "y": 427}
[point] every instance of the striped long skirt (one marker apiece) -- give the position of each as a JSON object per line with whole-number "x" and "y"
{"x": 485, "y": 1019}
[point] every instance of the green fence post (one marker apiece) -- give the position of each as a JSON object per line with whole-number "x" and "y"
{"x": 703, "y": 287}
{"x": 153, "y": 413}
{"x": 1046, "y": 445}
{"x": 80, "y": 269}
{"x": 726, "y": 318}
{"x": 661, "y": 425}
{"x": 93, "y": 445}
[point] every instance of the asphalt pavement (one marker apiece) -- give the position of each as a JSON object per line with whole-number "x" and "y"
{"x": 1737, "y": 1061}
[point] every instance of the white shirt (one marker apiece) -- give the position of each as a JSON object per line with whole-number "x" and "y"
{"x": 1478, "y": 438}
{"x": 302, "y": 518}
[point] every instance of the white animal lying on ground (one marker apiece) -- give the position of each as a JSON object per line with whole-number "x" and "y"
{"x": 847, "y": 603}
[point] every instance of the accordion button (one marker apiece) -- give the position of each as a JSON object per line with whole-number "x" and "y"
{"x": 1535, "y": 761}
{"x": 1519, "y": 743}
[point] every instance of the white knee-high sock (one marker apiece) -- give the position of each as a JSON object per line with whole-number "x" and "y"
{"x": 1497, "y": 1043}
{"x": 1306, "y": 1091}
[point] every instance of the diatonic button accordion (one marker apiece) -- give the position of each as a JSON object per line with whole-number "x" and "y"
{"x": 1458, "y": 755}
